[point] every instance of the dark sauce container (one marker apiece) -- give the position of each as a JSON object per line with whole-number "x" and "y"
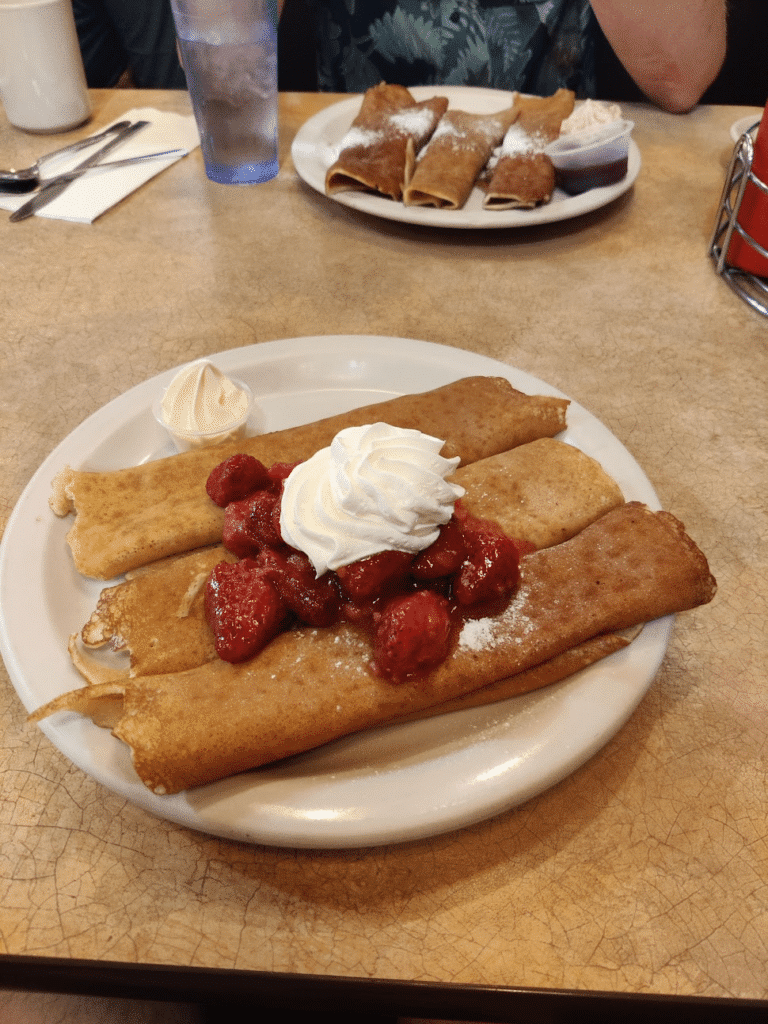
{"x": 592, "y": 158}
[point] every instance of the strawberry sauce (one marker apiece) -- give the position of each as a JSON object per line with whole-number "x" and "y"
{"x": 412, "y": 605}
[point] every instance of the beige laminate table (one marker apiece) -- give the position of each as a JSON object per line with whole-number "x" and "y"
{"x": 646, "y": 871}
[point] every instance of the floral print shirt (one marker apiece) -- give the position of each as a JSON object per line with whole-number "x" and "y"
{"x": 534, "y": 46}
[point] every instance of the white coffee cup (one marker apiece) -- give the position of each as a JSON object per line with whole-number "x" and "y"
{"x": 42, "y": 81}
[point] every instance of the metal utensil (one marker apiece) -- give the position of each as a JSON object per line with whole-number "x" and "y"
{"x": 57, "y": 185}
{"x": 30, "y": 177}
{"x": 78, "y": 172}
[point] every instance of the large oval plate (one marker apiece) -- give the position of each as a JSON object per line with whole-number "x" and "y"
{"x": 392, "y": 784}
{"x": 315, "y": 148}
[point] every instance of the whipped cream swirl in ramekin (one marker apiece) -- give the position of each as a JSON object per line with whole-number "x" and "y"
{"x": 591, "y": 114}
{"x": 376, "y": 488}
{"x": 201, "y": 399}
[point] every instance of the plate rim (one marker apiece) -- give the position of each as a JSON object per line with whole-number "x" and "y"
{"x": 197, "y": 809}
{"x": 385, "y": 209}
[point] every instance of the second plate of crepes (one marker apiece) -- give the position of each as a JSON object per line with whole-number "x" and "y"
{"x": 316, "y": 147}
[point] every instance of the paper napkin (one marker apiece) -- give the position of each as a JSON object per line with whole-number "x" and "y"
{"x": 97, "y": 190}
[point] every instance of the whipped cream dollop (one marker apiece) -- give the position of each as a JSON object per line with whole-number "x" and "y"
{"x": 376, "y": 488}
{"x": 202, "y": 400}
{"x": 591, "y": 114}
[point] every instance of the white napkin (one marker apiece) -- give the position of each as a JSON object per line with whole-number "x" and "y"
{"x": 97, "y": 190}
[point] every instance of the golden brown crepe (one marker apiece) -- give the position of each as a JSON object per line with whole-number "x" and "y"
{"x": 311, "y": 686}
{"x": 524, "y": 175}
{"x": 157, "y": 614}
{"x": 454, "y": 157}
{"x": 379, "y": 150}
{"x": 130, "y": 517}
{"x": 102, "y": 702}
{"x": 543, "y": 492}
{"x": 553, "y": 671}
{"x": 521, "y": 181}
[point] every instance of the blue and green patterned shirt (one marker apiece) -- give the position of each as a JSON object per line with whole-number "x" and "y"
{"x": 535, "y": 46}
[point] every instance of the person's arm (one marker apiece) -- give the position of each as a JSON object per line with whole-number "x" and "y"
{"x": 673, "y": 49}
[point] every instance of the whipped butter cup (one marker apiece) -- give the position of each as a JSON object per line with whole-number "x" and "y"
{"x": 592, "y": 158}
{"x": 186, "y": 440}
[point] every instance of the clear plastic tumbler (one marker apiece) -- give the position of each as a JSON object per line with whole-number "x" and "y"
{"x": 229, "y": 53}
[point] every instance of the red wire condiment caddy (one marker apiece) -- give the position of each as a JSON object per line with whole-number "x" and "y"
{"x": 739, "y": 244}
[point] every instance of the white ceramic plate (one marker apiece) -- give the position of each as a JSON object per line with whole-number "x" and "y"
{"x": 743, "y": 125}
{"x": 398, "y": 783}
{"x": 315, "y": 148}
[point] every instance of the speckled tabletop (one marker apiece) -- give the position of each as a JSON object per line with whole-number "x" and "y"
{"x": 645, "y": 871}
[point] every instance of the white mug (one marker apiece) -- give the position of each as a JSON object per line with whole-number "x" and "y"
{"x": 42, "y": 81}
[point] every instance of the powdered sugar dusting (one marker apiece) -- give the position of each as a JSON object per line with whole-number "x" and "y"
{"x": 516, "y": 142}
{"x": 359, "y": 137}
{"x": 414, "y": 121}
{"x": 477, "y": 635}
{"x": 446, "y": 129}
{"x": 511, "y": 626}
{"x": 460, "y": 137}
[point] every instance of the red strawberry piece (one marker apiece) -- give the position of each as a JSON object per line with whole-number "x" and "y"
{"x": 236, "y": 478}
{"x": 360, "y": 611}
{"x": 372, "y": 576}
{"x": 491, "y": 569}
{"x": 249, "y": 524}
{"x": 278, "y": 473}
{"x": 243, "y": 609}
{"x": 315, "y": 601}
{"x": 275, "y": 518}
{"x": 412, "y": 634}
{"x": 444, "y": 556}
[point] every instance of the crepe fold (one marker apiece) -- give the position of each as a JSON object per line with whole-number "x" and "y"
{"x": 378, "y": 152}
{"x": 311, "y": 686}
{"x": 543, "y": 492}
{"x": 156, "y": 615}
{"x": 129, "y": 517}
{"x": 454, "y": 157}
{"x": 523, "y": 175}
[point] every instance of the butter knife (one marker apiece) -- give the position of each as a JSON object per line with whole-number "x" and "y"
{"x": 53, "y": 189}
{"x": 78, "y": 172}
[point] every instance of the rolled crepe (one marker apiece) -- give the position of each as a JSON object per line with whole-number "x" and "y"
{"x": 523, "y": 175}
{"x": 156, "y": 615}
{"x": 454, "y": 157}
{"x": 102, "y": 702}
{"x": 311, "y": 686}
{"x": 378, "y": 152}
{"x": 130, "y": 517}
{"x": 560, "y": 667}
{"x": 521, "y": 181}
{"x": 543, "y": 492}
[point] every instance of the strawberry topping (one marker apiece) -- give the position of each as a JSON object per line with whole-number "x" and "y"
{"x": 375, "y": 575}
{"x": 314, "y": 601}
{"x": 412, "y": 605}
{"x": 243, "y": 609}
{"x": 236, "y": 478}
{"x": 411, "y": 635}
{"x": 491, "y": 569}
{"x": 249, "y": 524}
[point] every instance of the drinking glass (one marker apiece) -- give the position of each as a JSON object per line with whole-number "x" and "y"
{"x": 229, "y": 53}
